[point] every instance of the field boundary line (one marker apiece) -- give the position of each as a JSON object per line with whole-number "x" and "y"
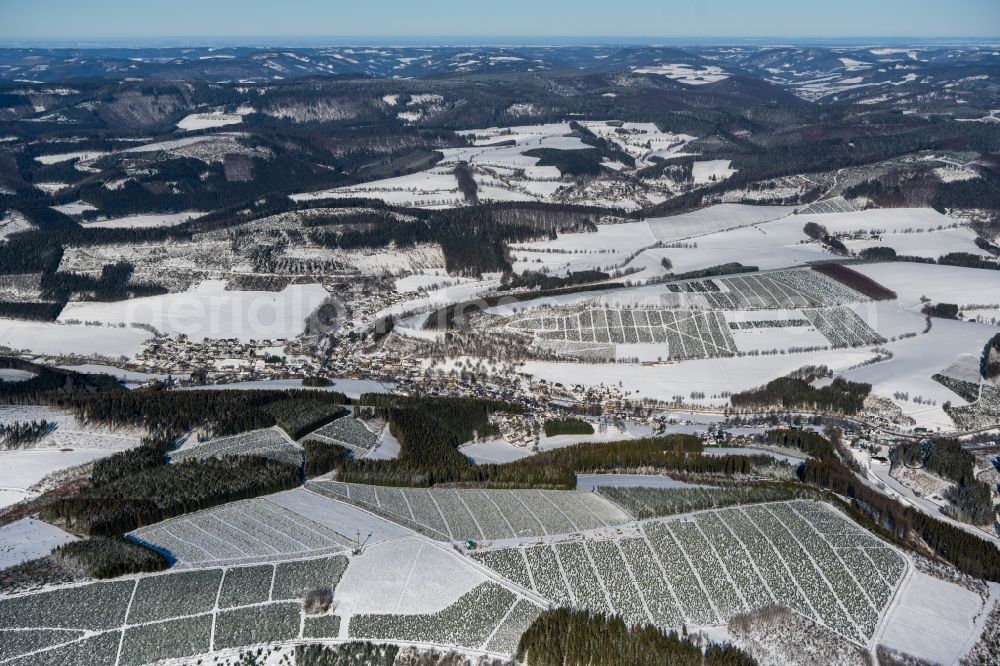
{"x": 128, "y": 609}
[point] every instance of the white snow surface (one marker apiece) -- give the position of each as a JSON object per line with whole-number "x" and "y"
{"x": 127, "y": 376}
{"x": 82, "y": 155}
{"x": 68, "y": 432}
{"x": 930, "y": 244}
{"x": 22, "y": 469}
{"x": 593, "y": 481}
{"x": 387, "y": 447}
{"x": 352, "y": 388}
{"x": 56, "y": 339}
{"x": 340, "y": 517}
{"x": 406, "y": 577}
{"x": 711, "y": 376}
{"x": 209, "y": 311}
{"x": 948, "y": 284}
{"x": 145, "y": 221}
{"x": 710, "y": 171}
{"x": 74, "y": 208}
{"x": 932, "y": 618}
{"x": 494, "y": 451}
{"x": 15, "y": 375}
{"x": 915, "y": 360}
{"x": 685, "y": 73}
{"x": 29, "y": 539}
{"x": 199, "y": 121}
{"x": 890, "y": 220}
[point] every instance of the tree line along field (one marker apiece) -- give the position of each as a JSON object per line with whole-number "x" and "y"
{"x": 709, "y": 567}
{"x": 463, "y": 514}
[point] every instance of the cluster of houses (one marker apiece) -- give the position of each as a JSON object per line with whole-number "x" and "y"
{"x": 227, "y": 360}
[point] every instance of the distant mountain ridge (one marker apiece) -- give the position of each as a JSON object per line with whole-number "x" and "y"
{"x": 810, "y": 72}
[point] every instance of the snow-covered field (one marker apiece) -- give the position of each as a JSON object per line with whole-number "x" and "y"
{"x": 494, "y": 451}
{"x": 74, "y": 208}
{"x": 20, "y": 470}
{"x": 430, "y": 281}
{"x": 711, "y": 171}
{"x": 59, "y": 339}
{"x": 945, "y": 284}
{"x": 461, "y": 514}
{"x": 12, "y": 222}
{"x": 405, "y": 576}
{"x": 82, "y": 155}
{"x": 207, "y": 148}
{"x": 199, "y": 121}
{"x": 767, "y": 339}
{"x": 932, "y": 618}
{"x": 643, "y": 141}
{"x": 68, "y": 432}
{"x": 767, "y": 245}
{"x": 608, "y": 433}
{"x": 387, "y": 447}
{"x": 711, "y": 376}
{"x": 240, "y": 533}
{"x": 15, "y": 375}
{"x": 885, "y": 220}
{"x": 352, "y": 388}
{"x": 145, "y": 221}
{"x": 209, "y": 311}
{"x": 684, "y": 73}
{"x": 915, "y": 360}
{"x": 50, "y": 188}
{"x": 126, "y": 376}
{"x": 339, "y": 516}
{"x": 288, "y": 525}
{"x": 28, "y": 539}
{"x": 502, "y": 451}
{"x": 609, "y": 245}
{"x": 432, "y": 189}
{"x": 495, "y": 173}
{"x": 930, "y": 244}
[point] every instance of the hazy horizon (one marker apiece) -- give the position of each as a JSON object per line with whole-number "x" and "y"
{"x": 458, "y": 23}
{"x": 488, "y": 41}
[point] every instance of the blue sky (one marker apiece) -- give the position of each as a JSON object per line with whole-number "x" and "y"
{"x": 201, "y": 20}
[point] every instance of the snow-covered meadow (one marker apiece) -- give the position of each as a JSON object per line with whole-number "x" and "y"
{"x": 210, "y": 311}
{"x": 200, "y": 121}
{"x": 23, "y": 469}
{"x": 28, "y": 539}
{"x": 144, "y": 221}
{"x": 65, "y": 339}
